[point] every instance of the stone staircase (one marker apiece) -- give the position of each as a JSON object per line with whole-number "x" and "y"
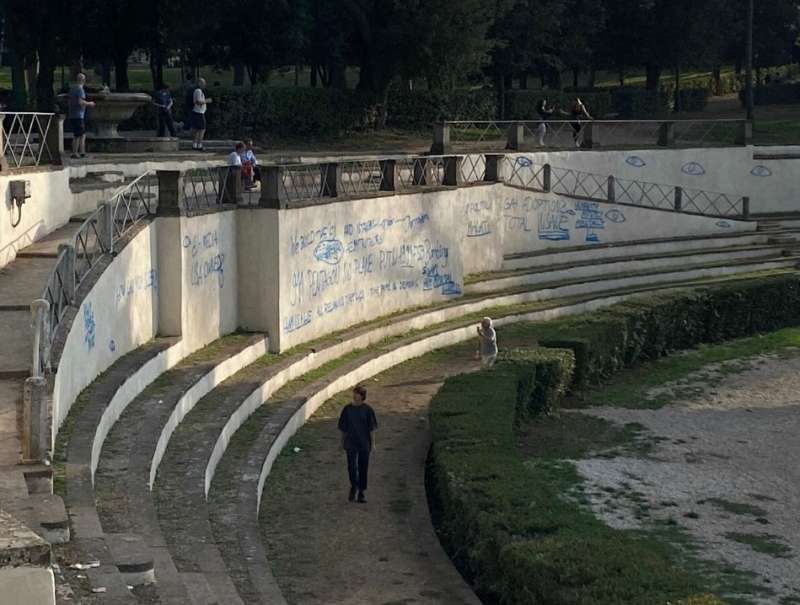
{"x": 178, "y": 481}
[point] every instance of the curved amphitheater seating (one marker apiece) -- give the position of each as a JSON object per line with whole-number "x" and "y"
{"x": 203, "y": 436}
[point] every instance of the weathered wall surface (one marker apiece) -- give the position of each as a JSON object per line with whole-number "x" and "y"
{"x": 48, "y": 208}
{"x": 772, "y": 184}
{"x": 540, "y": 221}
{"x": 119, "y": 314}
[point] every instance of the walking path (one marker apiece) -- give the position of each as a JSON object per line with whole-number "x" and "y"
{"x": 325, "y": 550}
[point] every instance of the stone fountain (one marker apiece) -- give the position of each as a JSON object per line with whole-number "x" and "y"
{"x": 103, "y": 122}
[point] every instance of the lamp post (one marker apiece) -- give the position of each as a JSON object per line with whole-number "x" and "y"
{"x": 748, "y": 92}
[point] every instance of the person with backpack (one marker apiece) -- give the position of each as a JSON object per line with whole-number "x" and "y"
{"x": 357, "y": 422}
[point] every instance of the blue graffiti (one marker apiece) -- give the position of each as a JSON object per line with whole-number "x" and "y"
{"x": 204, "y": 269}
{"x": 146, "y": 281}
{"x": 478, "y": 229}
{"x": 635, "y": 161}
{"x": 524, "y": 162}
{"x": 89, "y": 326}
{"x": 340, "y": 303}
{"x": 553, "y": 221}
{"x": 615, "y": 215}
{"x": 432, "y": 279}
{"x": 516, "y": 223}
{"x": 196, "y": 243}
{"x": 761, "y": 171}
{"x": 723, "y": 224}
{"x": 693, "y": 169}
{"x": 296, "y": 321}
{"x": 590, "y": 219}
{"x": 300, "y": 241}
{"x": 329, "y": 251}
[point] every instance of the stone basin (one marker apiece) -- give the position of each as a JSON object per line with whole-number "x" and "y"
{"x": 111, "y": 109}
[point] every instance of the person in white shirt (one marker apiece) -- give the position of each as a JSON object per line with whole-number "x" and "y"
{"x": 199, "y": 114}
{"x": 235, "y": 156}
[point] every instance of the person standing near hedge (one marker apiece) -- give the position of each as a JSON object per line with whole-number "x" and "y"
{"x": 200, "y": 102}
{"x": 357, "y": 422}
{"x": 487, "y": 342}
{"x": 77, "y": 115}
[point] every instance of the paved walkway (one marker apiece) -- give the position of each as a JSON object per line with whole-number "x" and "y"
{"x": 325, "y": 550}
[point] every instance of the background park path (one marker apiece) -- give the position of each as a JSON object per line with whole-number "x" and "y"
{"x": 324, "y": 549}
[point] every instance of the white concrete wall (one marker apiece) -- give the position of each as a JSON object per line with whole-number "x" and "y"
{"x": 347, "y": 262}
{"x": 48, "y": 208}
{"x": 540, "y": 221}
{"x": 210, "y": 277}
{"x": 773, "y": 185}
{"x": 118, "y": 315}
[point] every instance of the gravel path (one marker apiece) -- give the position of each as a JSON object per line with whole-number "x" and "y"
{"x": 325, "y": 550}
{"x": 725, "y": 462}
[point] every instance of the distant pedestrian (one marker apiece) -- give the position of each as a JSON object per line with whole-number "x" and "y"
{"x": 487, "y": 342}
{"x": 578, "y": 112}
{"x": 250, "y": 169}
{"x": 163, "y": 100}
{"x": 357, "y": 422}
{"x": 545, "y": 113}
{"x": 199, "y": 105}
{"x": 235, "y": 156}
{"x": 77, "y": 115}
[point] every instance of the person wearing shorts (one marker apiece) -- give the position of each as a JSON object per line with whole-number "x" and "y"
{"x": 198, "y": 119}
{"x": 77, "y": 115}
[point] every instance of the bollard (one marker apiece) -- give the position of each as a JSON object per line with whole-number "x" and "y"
{"x": 452, "y": 171}
{"x": 546, "y": 174}
{"x": 441, "y": 139}
{"x": 678, "y": 198}
{"x": 611, "y": 196}
{"x": 666, "y": 134}
{"x": 494, "y": 168}
{"x": 388, "y": 175}
{"x": 745, "y": 207}
{"x": 516, "y": 137}
{"x": 54, "y": 139}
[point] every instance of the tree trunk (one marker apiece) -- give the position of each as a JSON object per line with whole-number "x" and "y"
{"x": 592, "y": 76}
{"x": 32, "y": 77}
{"x": 121, "y": 72}
{"x": 19, "y": 91}
{"x": 45, "y": 101}
{"x": 653, "y": 76}
{"x": 105, "y": 69}
{"x": 238, "y": 74}
{"x": 297, "y": 76}
{"x": 677, "y": 87}
{"x": 621, "y": 75}
{"x": 716, "y": 74}
{"x": 337, "y": 77}
{"x": 313, "y": 76}
{"x": 500, "y": 85}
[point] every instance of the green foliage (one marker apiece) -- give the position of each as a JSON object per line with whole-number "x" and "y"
{"x": 693, "y": 99}
{"x": 508, "y": 525}
{"x": 775, "y": 94}
{"x": 632, "y": 103}
{"x": 421, "y": 108}
{"x": 521, "y": 105}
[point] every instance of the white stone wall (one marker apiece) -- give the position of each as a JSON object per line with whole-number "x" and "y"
{"x": 773, "y": 185}
{"x": 118, "y": 315}
{"x": 539, "y": 221}
{"x": 48, "y": 208}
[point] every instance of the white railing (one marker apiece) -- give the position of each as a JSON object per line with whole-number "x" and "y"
{"x": 30, "y": 139}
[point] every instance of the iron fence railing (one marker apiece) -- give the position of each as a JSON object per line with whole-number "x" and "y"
{"x": 30, "y": 139}
{"x": 522, "y": 172}
{"x": 94, "y": 239}
{"x": 466, "y": 136}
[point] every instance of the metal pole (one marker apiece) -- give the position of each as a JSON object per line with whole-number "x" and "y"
{"x": 749, "y": 61}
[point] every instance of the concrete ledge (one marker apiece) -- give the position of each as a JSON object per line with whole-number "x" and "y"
{"x": 27, "y": 586}
{"x": 19, "y": 546}
{"x": 186, "y": 403}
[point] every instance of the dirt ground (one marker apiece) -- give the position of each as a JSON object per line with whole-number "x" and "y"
{"x": 724, "y": 468}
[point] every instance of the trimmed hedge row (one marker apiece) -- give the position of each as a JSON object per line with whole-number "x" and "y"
{"x": 774, "y": 94}
{"x": 507, "y": 525}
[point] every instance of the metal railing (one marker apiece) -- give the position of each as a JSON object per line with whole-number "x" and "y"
{"x": 31, "y": 139}
{"x": 518, "y": 135}
{"x": 521, "y": 172}
{"x": 94, "y": 239}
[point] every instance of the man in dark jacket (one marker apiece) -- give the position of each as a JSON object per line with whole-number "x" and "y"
{"x": 357, "y": 422}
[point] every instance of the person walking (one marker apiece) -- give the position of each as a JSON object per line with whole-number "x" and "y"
{"x": 77, "y": 115}
{"x": 487, "y": 342}
{"x": 545, "y": 113}
{"x": 578, "y": 113}
{"x": 357, "y": 422}
{"x": 163, "y": 100}
{"x": 199, "y": 105}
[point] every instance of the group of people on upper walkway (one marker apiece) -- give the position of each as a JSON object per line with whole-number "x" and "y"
{"x": 243, "y": 156}
{"x": 195, "y": 105}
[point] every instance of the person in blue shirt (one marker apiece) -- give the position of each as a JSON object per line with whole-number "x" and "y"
{"x": 163, "y": 100}
{"x": 77, "y": 115}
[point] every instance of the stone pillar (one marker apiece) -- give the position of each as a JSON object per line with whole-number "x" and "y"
{"x": 744, "y": 134}
{"x": 546, "y": 178}
{"x": 452, "y": 171}
{"x": 54, "y": 139}
{"x": 441, "y": 139}
{"x": 388, "y": 175}
{"x": 678, "y": 199}
{"x": 612, "y": 194}
{"x": 745, "y": 207}
{"x": 329, "y": 174}
{"x": 494, "y": 168}
{"x": 230, "y": 185}
{"x": 589, "y": 131}
{"x": 3, "y": 160}
{"x": 515, "y": 137}
{"x": 666, "y": 134}
{"x": 36, "y": 437}
{"x": 170, "y": 192}
{"x": 169, "y": 244}
{"x": 272, "y": 193}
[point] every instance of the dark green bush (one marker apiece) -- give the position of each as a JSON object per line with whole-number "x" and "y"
{"x": 421, "y": 108}
{"x": 633, "y": 103}
{"x": 694, "y": 99}
{"x": 775, "y": 94}
{"x": 506, "y": 524}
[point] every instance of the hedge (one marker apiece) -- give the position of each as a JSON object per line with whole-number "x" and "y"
{"x": 774, "y": 94}
{"x": 505, "y": 524}
{"x": 521, "y": 105}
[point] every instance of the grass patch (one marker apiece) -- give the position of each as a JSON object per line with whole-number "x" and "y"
{"x": 766, "y": 544}
{"x": 736, "y": 508}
